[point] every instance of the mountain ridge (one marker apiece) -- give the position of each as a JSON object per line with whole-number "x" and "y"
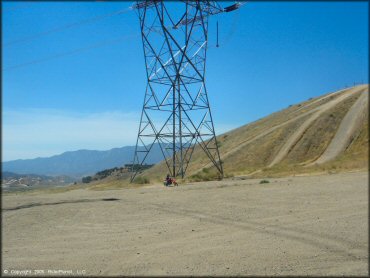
{"x": 78, "y": 163}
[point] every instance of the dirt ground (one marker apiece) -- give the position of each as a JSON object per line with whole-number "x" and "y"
{"x": 314, "y": 225}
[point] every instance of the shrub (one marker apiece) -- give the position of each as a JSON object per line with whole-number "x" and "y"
{"x": 264, "y": 181}
{"x": 205, "y": 175}
{"x": 87, "y": 179}
{"x": 142, "y": 180}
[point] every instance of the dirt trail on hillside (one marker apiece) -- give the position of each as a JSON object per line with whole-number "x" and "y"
{"x": 293, "y": 139}
{"x": 321, "y": 99}
{"x": 347, "y": 129}
{"x": 342, "y": 94}
{"x": 300, "y": 226}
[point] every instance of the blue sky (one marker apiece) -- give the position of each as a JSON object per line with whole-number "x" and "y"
{"x": 82, "y": 87}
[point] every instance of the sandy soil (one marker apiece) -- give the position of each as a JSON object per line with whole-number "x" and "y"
{"x": 314, "y": 225}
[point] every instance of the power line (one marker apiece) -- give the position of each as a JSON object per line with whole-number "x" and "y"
{"x": 72, "y": 25}
{"x": 67, "y": 26}
{"x": 96, "y": 45}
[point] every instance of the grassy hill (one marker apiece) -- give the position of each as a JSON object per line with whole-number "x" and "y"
{"x": 290, "y": 141}
{"x": 324, "y": 134}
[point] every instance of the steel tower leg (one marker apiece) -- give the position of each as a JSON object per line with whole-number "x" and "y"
{"x": 176, "y": 112}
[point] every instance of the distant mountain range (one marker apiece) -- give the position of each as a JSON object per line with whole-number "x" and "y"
{"x": 79, "y": 163}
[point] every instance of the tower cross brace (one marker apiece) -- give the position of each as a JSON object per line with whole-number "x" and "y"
{"x": 176, "y": 114}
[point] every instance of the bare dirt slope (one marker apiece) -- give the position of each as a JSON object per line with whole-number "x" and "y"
{"x": 312, "y": 225}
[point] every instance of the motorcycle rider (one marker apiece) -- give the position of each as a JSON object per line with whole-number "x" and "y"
{"x": 168, "y": 180}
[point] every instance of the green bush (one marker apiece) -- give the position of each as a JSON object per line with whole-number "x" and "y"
{"x": 264, "y": 181}
{"x": 206, "y": 170}
{"x": 86, "y": 179}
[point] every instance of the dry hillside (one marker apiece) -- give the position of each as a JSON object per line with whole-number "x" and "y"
{"x": 324, "y": 134}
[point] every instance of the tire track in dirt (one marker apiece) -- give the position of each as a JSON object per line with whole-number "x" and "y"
{"x": 342, "y": 93}
{"x": 347, "y": 128}
{"x": 293, "y": 139}
{"x": 336, "y": 245}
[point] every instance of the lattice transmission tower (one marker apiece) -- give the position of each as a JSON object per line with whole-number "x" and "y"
{"x": 176, "y": 114}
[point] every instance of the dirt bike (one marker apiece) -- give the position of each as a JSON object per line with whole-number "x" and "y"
{"x": 170, "y": 181}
